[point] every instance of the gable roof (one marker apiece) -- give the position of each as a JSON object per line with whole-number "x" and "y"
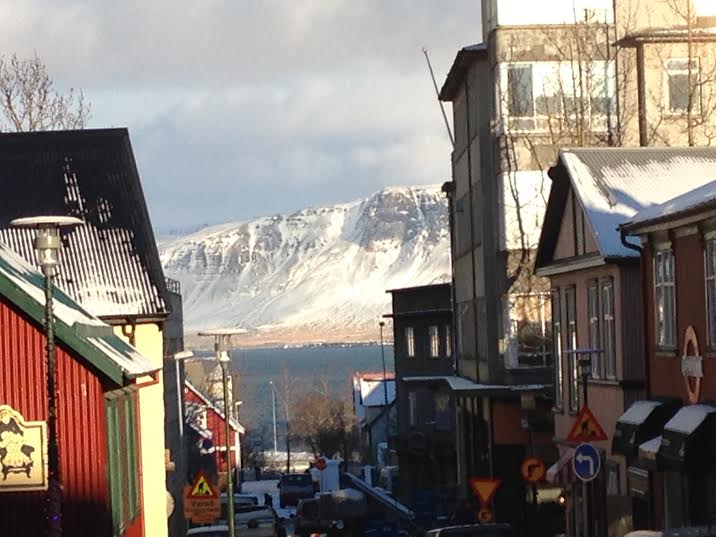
{"x": 692, "y": 202}
{"x": 614, "y": 184}
{"x": 95, "y": 341}
{"x": 111, "y": 264}
{"x": 233, "y": 422}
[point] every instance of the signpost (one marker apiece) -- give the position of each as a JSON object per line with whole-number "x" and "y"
{"x": 484, "y": 489}
{"x": 586, "y": 428}
{"x": 202, "y": 504}
{"x": 533, "y": 469}
{"x": 586, "y": 462}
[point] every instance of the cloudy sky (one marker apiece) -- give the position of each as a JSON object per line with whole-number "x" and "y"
{"x": 241, "y": 108}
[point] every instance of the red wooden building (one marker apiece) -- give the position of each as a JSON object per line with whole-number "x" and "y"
{"x": 99, "y": 376}
{"x": 208, "y": 420}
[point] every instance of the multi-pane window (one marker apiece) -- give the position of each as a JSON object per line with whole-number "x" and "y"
{"x": 681, "y": 88}
{"x": 448, "y": 341}
{"x": 519, "y": 91}
{"x": 557, "y": 349}
{"x": 711, "y": 289}
{"x": 442, "y": 412}
{"x": 571, "y": 344}
{"x": 608, "y": 346}
{"x": 665, "y": 299}
{"x": 410, "y": 341}
{"x": 434, "y": 334}
{"x": 594, "y": 339}
{"x": 412, "y": 409}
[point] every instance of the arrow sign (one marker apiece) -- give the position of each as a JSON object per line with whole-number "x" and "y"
{"x": 484, "y": 488}
{"x": 586, "y": 462}
{"x": 586, "y": 428}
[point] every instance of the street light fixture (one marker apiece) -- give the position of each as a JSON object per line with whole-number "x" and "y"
{"x": 222, "y": 348}
{"x": 48, "y": 244}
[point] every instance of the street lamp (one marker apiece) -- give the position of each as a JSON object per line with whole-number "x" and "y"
{"x": 222, "y": 347}
{"x": 48, "y": 244}
{"x": 273, "y": 405}
{"x": 381, "y": 324}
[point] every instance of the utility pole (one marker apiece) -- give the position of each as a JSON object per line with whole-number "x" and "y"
{"x": 437, "y": 93}
{"x": 381, "y": 324}
{"x": 273, "y": 405}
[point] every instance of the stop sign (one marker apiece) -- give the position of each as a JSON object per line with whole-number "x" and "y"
{"x": 321, "y": 464}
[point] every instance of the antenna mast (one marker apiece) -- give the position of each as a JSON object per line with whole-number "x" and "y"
{"x": 437, "y": 93}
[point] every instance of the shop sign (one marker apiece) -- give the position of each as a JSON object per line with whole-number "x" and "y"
{"x": 23, "y": 452}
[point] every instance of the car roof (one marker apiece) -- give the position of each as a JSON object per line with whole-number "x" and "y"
{"x": 207, "y": 529}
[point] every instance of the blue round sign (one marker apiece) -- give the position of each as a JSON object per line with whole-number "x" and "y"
{"x": 586, "y": 462}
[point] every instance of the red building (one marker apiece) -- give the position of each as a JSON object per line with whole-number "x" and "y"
{"x": 99, "y": 376}
{"x": 673, "y": 433}
{"x": 209, "y": 421}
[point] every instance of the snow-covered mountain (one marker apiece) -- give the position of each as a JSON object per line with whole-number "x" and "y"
{"x": 319, "y": 274}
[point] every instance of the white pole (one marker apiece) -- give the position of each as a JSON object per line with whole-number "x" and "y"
{"x": 275, "y": 436}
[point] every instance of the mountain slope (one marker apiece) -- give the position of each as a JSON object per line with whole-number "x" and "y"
{"x": 319, "y": 274}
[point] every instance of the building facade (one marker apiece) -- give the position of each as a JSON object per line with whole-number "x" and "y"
{"x": 423, "y": 349}
{"x": 374, "y": 407}
{"x": 99, "y": 382}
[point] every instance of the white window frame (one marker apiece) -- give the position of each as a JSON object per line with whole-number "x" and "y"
{"x": 665, "y": 291}
{"x": 571, "y": 322}
{"x": 710, "y": 288}
{"x": 434, "y": 338}
{"x": 410, "y": 341}
{"x": 682, "y": 71}
{"x": 609, "y": 350}
{"x": 557, "y": 348}
{"x": 595, "y": 332}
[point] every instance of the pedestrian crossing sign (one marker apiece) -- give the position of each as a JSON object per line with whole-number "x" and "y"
{"x": 586, "y": 428}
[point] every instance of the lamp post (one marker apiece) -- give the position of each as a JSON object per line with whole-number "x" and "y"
{"x": 48, "y": 244}
{"x": 273, "y": 406}
{"x": 222, "y": 347}
{"x": 381, "y": 324}
{"x": 178, "y": 357}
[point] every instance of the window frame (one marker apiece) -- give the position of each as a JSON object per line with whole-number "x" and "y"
{"x": 448, "y": 341}
{"x": 695, "y": 72}
{"x": 609, "y": 349}
{"x": 412, "y": 409}
{"x": 594, "y": 320}
{"x": 710, "y": 286}
{"x": 434, "y": 340}
{"x": 511, "y": 102}
{"x": 558, "y": 361}
{"x": 410, "y": 341}
{"x": 659, "y": 295}
{"x": 572, "y": 343}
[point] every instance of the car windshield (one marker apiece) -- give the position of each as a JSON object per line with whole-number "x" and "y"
{"x": 297, "y": 479}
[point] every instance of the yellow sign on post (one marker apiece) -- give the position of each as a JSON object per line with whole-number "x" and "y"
{"x": 23, "y": 452}
{"x": 202, "y": 504}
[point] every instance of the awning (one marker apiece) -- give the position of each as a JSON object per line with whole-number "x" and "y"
{"x": 689, "y": 440}
{"x": 642, "y": 421}
{"x": 560, "y": 473}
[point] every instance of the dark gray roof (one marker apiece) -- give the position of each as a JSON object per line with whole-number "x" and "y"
{"x": 111, "y": 264}
{"x": 463, "y": 60}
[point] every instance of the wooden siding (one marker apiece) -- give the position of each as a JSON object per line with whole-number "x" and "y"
{"x": 632, "y": 314}
{"x": 81, "y": 430}
{"x": 566, "y": 241}
{"x": 215, "y": 424}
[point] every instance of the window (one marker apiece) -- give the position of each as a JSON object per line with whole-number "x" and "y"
{"x": 442, "y": 412}
{"x": 679, "y": 88}
{"x": 571, "y": 322}
{"x": 608, "y": 346}
{"x": 594, "y": 339}
{"x": 711, "y": 289}
{"x": 665, "y": 299}
{"x": 434, "y": 341}
{"x": 412, "y": 409}
{"x": 557, "y": 346}
{"x": 519, "y": 91}
{"x": 410, "y": 341}
{"x": 448, "y": 341}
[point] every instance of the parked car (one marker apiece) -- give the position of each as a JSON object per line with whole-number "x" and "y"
{"x": 258, "y": 521}
{"x": 240, "y": 500}
{"x": 473, "y": 530}
{"x": 209, "y": 531}
{"x": 294, "y": 487}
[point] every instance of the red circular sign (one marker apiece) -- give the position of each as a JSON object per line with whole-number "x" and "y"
{"x": 533, "y": 470}
{"x": 321, "y": 464}
{"x": 484, "y": 515}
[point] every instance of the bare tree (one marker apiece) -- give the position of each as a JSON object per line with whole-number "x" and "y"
{"x": 287, "y": 388}
{"x": 29, "y": 100}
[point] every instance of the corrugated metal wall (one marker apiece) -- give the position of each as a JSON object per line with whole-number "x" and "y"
{"x": 82, "y": 432}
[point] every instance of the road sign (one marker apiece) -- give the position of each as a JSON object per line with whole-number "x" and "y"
{"x": 484, "y": 488}
{"x": 321, "y": 464}
{"x": 586, "y": 428}
{"x": 484, "y": 515}
{"x": 202, "y": 504}
{"x": 586, "y": 462}
{"x": 533, "y": 469}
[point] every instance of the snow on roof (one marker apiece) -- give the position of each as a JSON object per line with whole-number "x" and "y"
{"x": 614, "y": 184}
{"x": 379, "y": 495}
{"x": 691, "y": 200}
{"x": 372, "y": 391}
{"x": 638, "y": 412}
{"x": 689, "y": 418}
{"x": 651, "y": 447}
{"x": 233, "y": 421}
{"x": 458, "y": 384}
{"x": 100, "y": 336}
